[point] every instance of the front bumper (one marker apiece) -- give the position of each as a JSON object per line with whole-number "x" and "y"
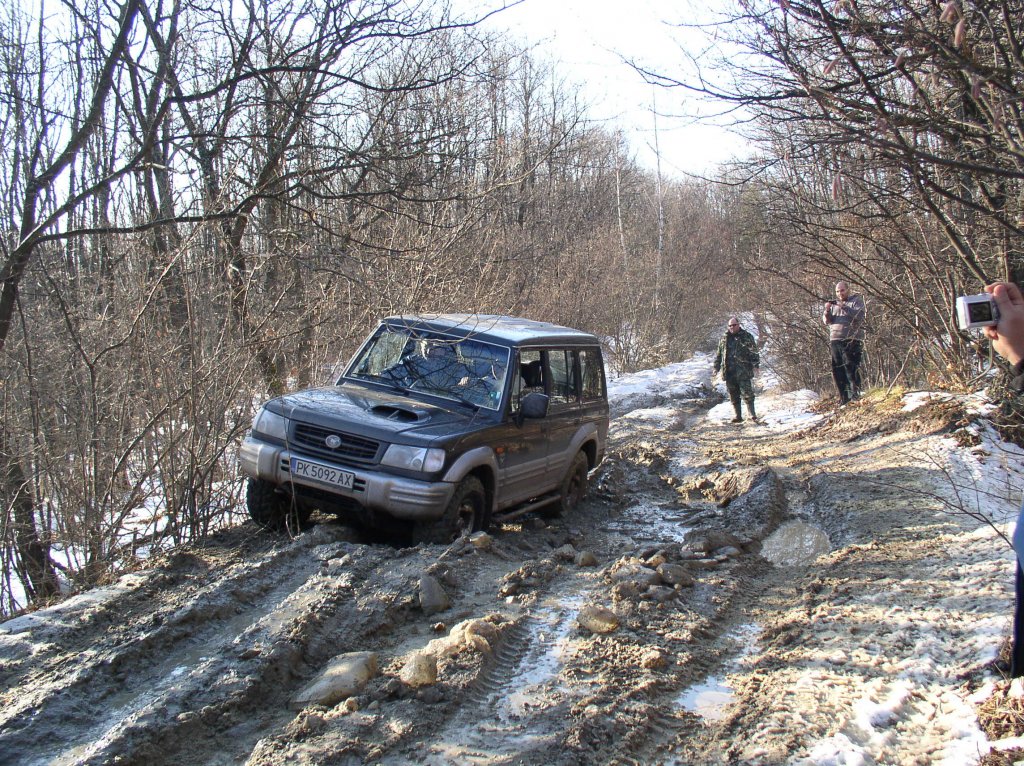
{"x": 395, "y": 495}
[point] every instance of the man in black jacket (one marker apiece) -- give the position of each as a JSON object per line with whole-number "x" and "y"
{"x": 739, "y": 362}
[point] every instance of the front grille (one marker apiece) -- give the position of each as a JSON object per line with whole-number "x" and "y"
{"x": 353, "y": 449}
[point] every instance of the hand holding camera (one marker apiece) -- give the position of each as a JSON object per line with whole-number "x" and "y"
{"x": 976, "y": 311}
{"x": 1006, "y": 330}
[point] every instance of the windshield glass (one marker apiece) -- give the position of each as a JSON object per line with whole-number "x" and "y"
{"x": 463, "y": 369}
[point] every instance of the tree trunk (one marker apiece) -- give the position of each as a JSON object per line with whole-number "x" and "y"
{"x": 36, "y": 569}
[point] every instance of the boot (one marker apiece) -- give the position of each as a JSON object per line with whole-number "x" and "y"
{"x": 739, "y": 414}
{"x": 750, "y": 410}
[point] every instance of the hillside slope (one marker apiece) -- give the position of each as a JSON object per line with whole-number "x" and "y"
{"x": 808, "y": 590}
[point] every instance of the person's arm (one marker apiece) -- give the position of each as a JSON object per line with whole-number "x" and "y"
{"x": 1008, "y": 336}
{"x": 755, "y": 357}
{"x": 857, "y": 316}
{"x": 826, "y": 316}
{"x": 718, "y": 357}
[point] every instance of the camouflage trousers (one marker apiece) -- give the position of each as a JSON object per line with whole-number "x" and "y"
{"x": 740, "y": 386}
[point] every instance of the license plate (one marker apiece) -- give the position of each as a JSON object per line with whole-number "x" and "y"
{"x": 324, "y": 474}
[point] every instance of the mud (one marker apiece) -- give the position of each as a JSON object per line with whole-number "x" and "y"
{"x": 814, "y": 562}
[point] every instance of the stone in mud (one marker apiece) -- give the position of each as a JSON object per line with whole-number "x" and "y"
{"x": 728, "y": 552}
{"x": 656, "y": 560}
{"x": 632, "y": 570}
{"x": 419, "y": 670}
{"x": 674, "y": 574}
{"x": 481, "y": 540}
{"x": 430, "y": 695}
{"x": 655, "y": 659}
{"x": 660, "y": 593}
{"x": 705, "y": 541}
{"x": 345, "y": 676}
{"x": 585, "y": 559}
{"x": 626, "y": 591}
{"x": 702, "y": 563}
{"x": 475, "y": 634}
{"x": 433, "y": 597}
{"x": 565, "y": 553}
{"x": 598, "y": 619}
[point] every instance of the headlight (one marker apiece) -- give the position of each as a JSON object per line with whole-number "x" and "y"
{"x": 414, "y": 458}
{"x": 270, "y": 424}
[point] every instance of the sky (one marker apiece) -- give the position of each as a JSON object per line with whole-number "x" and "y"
{"x": 591, "y": 39}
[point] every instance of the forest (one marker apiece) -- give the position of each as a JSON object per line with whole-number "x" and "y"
{"x": 209, "y": 203}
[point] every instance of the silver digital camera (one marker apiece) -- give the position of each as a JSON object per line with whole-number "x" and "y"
{"x": 973, "y": 311}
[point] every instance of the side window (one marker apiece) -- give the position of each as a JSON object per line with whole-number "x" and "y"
{"x": 529, "y": 377}
{"x": 563, "y": 376}
{"x": 590, "y": 372}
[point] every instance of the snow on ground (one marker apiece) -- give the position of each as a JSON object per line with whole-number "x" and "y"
{"x": 681, "y": 380}
{"x": 906, "y": 626}
{"x": 976, "y": 568}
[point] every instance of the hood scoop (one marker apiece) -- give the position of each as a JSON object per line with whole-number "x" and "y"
{"x": 400, "y": 414}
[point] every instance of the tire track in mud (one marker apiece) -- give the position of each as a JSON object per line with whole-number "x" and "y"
{"x": 359, "y": 601}
{"x": 649, "y": 716}
{"x": 675, "y": 727}
{"x": 684, "y": 736}
{"x": 89, "y": 683}
{"x": 211, "y": 681}
{"x": 527, "y": 707}
{"x": 520, "y": 701}
{"x": 228, "y": 703}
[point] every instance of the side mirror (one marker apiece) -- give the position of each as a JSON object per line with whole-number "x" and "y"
{"x": 534, "y": 405}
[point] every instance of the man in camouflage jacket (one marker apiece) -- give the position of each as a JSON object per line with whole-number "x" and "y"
{"x": 739, "y": 362}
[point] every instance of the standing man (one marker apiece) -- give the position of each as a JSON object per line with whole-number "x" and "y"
{"x": 739, "y": 362}
{"x": 845, "y": 320}
{"x": 1008, "y": 341}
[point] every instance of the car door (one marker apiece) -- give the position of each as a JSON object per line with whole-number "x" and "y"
{"x": 521, "y": 450}
{"x": 593, "y": 395}
{"x": 564, "y": 416}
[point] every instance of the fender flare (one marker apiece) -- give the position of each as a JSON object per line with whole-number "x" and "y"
{"x": 468, "y": 461}
{"x": 587, "y": 432}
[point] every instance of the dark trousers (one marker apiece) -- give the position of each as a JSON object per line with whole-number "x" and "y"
{"x": 1017, "y": 652}
{"x": 738, "y": 387}
{"x": 846, "y": 368}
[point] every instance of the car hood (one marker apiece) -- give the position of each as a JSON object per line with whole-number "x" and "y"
{"x": 371, "y": 412}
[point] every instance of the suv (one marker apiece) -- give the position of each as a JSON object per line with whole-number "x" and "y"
{"x": 439, "y": 422}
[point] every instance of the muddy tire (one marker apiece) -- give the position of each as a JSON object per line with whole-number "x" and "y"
{"x": 573, "y": 489}
{"x": 272, "y": 510}
{"x": 467, "y": 512}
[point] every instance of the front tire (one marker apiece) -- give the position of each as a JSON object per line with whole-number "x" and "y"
{"x": 467, "y": 512}
{"x": 272, "y": 510}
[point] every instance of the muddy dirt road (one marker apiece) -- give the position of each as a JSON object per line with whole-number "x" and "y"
{"x": 726, "y": 595}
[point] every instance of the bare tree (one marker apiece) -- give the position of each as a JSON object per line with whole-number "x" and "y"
{"x": 890, "y": 154}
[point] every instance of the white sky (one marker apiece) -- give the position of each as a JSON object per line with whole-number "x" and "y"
{"x": 591, "y": 38}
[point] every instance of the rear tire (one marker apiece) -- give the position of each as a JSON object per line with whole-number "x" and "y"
{"x": 272, "y": 510}
{"x": 467, "y": 512}
{"x": 573, "y": 489}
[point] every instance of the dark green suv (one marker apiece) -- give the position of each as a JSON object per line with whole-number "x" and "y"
{"x": 440, "y": 423}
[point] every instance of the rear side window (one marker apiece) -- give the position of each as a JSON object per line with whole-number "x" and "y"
{"x": 529, "y": 377}
{"x": 590, "y": 372}
{"x": 564, "y": 388}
